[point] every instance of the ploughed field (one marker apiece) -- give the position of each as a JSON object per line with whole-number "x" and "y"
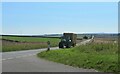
{"x": 10, "y": 43}
{"x": 101, "y": 54}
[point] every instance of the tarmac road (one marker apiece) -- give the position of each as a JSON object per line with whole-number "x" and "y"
{"x": 27, "y": 61}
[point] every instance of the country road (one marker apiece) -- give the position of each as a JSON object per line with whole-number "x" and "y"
{"x": 27, "y": 61}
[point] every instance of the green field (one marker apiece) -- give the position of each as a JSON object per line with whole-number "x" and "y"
{"x": 30, "y": 39}
{"x": 100, "y": 56}
{"x": 26, "y": 43}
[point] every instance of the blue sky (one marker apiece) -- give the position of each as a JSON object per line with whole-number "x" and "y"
{"x": 59, "y": 17}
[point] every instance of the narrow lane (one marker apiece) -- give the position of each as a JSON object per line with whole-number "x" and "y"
{"x": 27, "y": 61}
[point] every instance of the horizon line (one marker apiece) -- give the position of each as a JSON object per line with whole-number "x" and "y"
{"x": 66, "y": 32}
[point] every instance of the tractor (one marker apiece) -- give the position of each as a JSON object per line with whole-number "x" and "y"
{"x": 68, "y": 40}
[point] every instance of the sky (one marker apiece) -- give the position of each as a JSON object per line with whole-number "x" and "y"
{"x": 59, "y": 17}
{"x": 60, "y": 0}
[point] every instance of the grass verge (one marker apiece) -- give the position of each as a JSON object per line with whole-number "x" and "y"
{"x": 102, "y": 57}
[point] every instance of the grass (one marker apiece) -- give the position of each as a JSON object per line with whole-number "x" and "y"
{"x": 21, "y": 46}
{"x": 100, "y": 56}
{"x": 30, "y": 39}
{"x": 26, "y": 43}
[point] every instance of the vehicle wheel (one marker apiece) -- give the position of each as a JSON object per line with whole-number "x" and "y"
{"x": 68, "y": 46}
{"x": 61, "y": 45}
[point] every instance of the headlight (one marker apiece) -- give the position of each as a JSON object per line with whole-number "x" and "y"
{"x": 69, "y": 40}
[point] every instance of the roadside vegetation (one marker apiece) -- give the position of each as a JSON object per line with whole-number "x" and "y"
{"x": 102, "y": 56}
{"x": 26, "y": 43}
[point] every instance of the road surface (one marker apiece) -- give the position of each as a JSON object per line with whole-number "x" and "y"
{"x": 84, "y": 42}
{"x": 27, "y": 61}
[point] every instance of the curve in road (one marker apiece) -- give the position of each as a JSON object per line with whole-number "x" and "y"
{"x": 27, "y": 61}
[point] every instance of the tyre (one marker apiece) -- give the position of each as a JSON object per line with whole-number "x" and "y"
{"x": 61, "y": 45}
{"x": 68, "y": 46}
